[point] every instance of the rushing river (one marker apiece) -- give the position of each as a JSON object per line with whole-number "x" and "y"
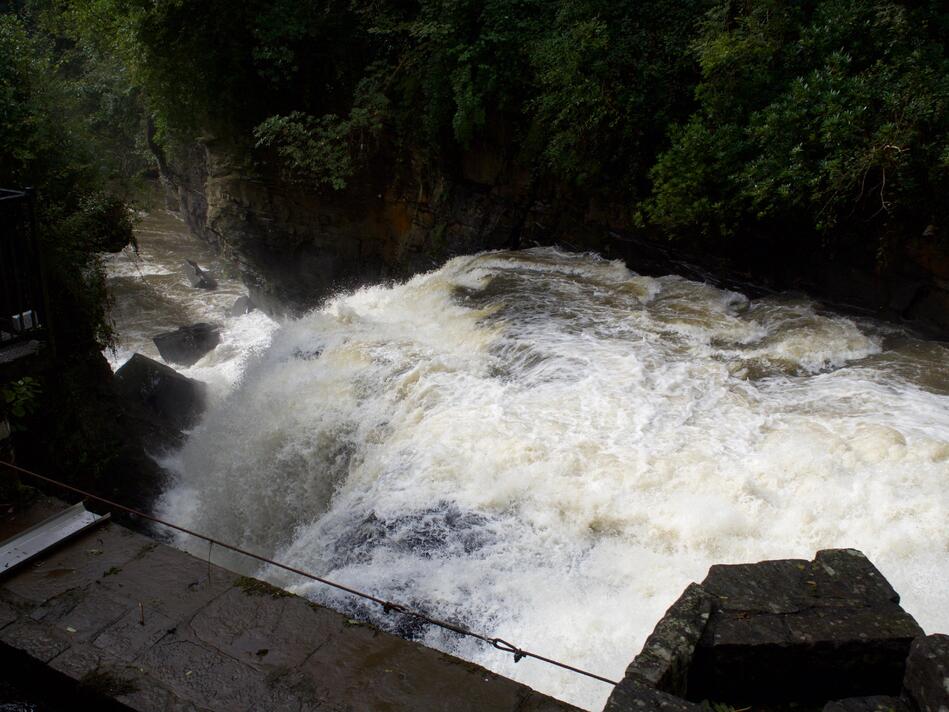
{"x": 548, "y": 447}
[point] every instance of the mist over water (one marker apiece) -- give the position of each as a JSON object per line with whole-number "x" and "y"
{"x": 548, "y": 448}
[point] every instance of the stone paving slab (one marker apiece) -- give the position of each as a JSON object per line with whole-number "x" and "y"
{"x": 142, "y": 624}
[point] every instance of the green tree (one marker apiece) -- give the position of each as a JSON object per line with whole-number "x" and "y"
{"x": 48, "y": 142}
{"x": 829, "y": 117}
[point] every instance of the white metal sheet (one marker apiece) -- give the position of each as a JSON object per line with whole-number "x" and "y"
{"x": 40, "y": 537}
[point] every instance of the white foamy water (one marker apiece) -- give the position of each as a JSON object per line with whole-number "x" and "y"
{"x": 152, "y": 295}
{"x": 548, "y": 448}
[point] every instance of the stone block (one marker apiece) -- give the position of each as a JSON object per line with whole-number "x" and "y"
{"x": 766, "y": 587}
{"x": 81, "y": 613}
{"x": 35, "y": 639}
{"x": 261, "y": 629}
{"x": 208, "y": 678}
{"x": 85, "y": 560}
{"x": 168, "y": 581}
{"x": 799, "y": 631}
{"x": 128, "y": 637}
{"x": 927, "y": 673}
{"x": 846, "y": 577}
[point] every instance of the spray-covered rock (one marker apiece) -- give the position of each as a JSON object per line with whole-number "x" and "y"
{"x": 174, "y": 399}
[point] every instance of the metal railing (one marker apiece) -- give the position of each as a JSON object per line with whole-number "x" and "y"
{"x": 23, "y": 313}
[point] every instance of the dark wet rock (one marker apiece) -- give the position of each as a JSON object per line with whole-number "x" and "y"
{"x": 778, "y": 633}
{"x": 241, "y": 306}
{"x": 927, "y": 673}
{"x": 175, "y": 399}
{"x": 307, "y": 354}
{"x": 186, "y": 345}
{"x": 199, "y": 278}
{"x": 875, "y": 703}
{"x": 795, "y": 630}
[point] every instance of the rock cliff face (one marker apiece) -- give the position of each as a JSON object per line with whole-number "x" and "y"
{"x": 295, "y": 244}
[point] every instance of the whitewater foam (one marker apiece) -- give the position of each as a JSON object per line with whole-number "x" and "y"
{"x": 549, "y": 448}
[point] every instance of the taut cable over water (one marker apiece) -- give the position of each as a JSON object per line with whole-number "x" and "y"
{"x": 387, "y": 606}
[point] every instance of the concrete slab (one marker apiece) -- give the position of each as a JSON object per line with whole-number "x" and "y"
{"x": 140, "y": 623}
{"x": 262, "y": 631}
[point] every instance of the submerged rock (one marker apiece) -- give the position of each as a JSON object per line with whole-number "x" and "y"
{"x": 176, "y": 400}
{"x": 199, "y": 278}
{"x": 187, "y": 344}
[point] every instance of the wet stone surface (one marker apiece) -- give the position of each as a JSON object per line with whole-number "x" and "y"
{"x": 804, "y": 631}
{"x": 141, "y": 623}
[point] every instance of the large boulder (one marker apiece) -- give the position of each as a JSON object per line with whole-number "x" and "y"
{"x": 199, "y": 278}
{"x": 176, "y": 400}
{"x": 187, "y": 344}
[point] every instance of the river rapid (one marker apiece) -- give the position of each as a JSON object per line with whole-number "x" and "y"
{"x": 548, "y": 447}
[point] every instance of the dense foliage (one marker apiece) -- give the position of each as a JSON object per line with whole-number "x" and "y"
{"x": 68, "y": 127}
{"x": 826, "y": 116}
{"x": 583, "y": 89}
{"x": 707, "y": 117}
